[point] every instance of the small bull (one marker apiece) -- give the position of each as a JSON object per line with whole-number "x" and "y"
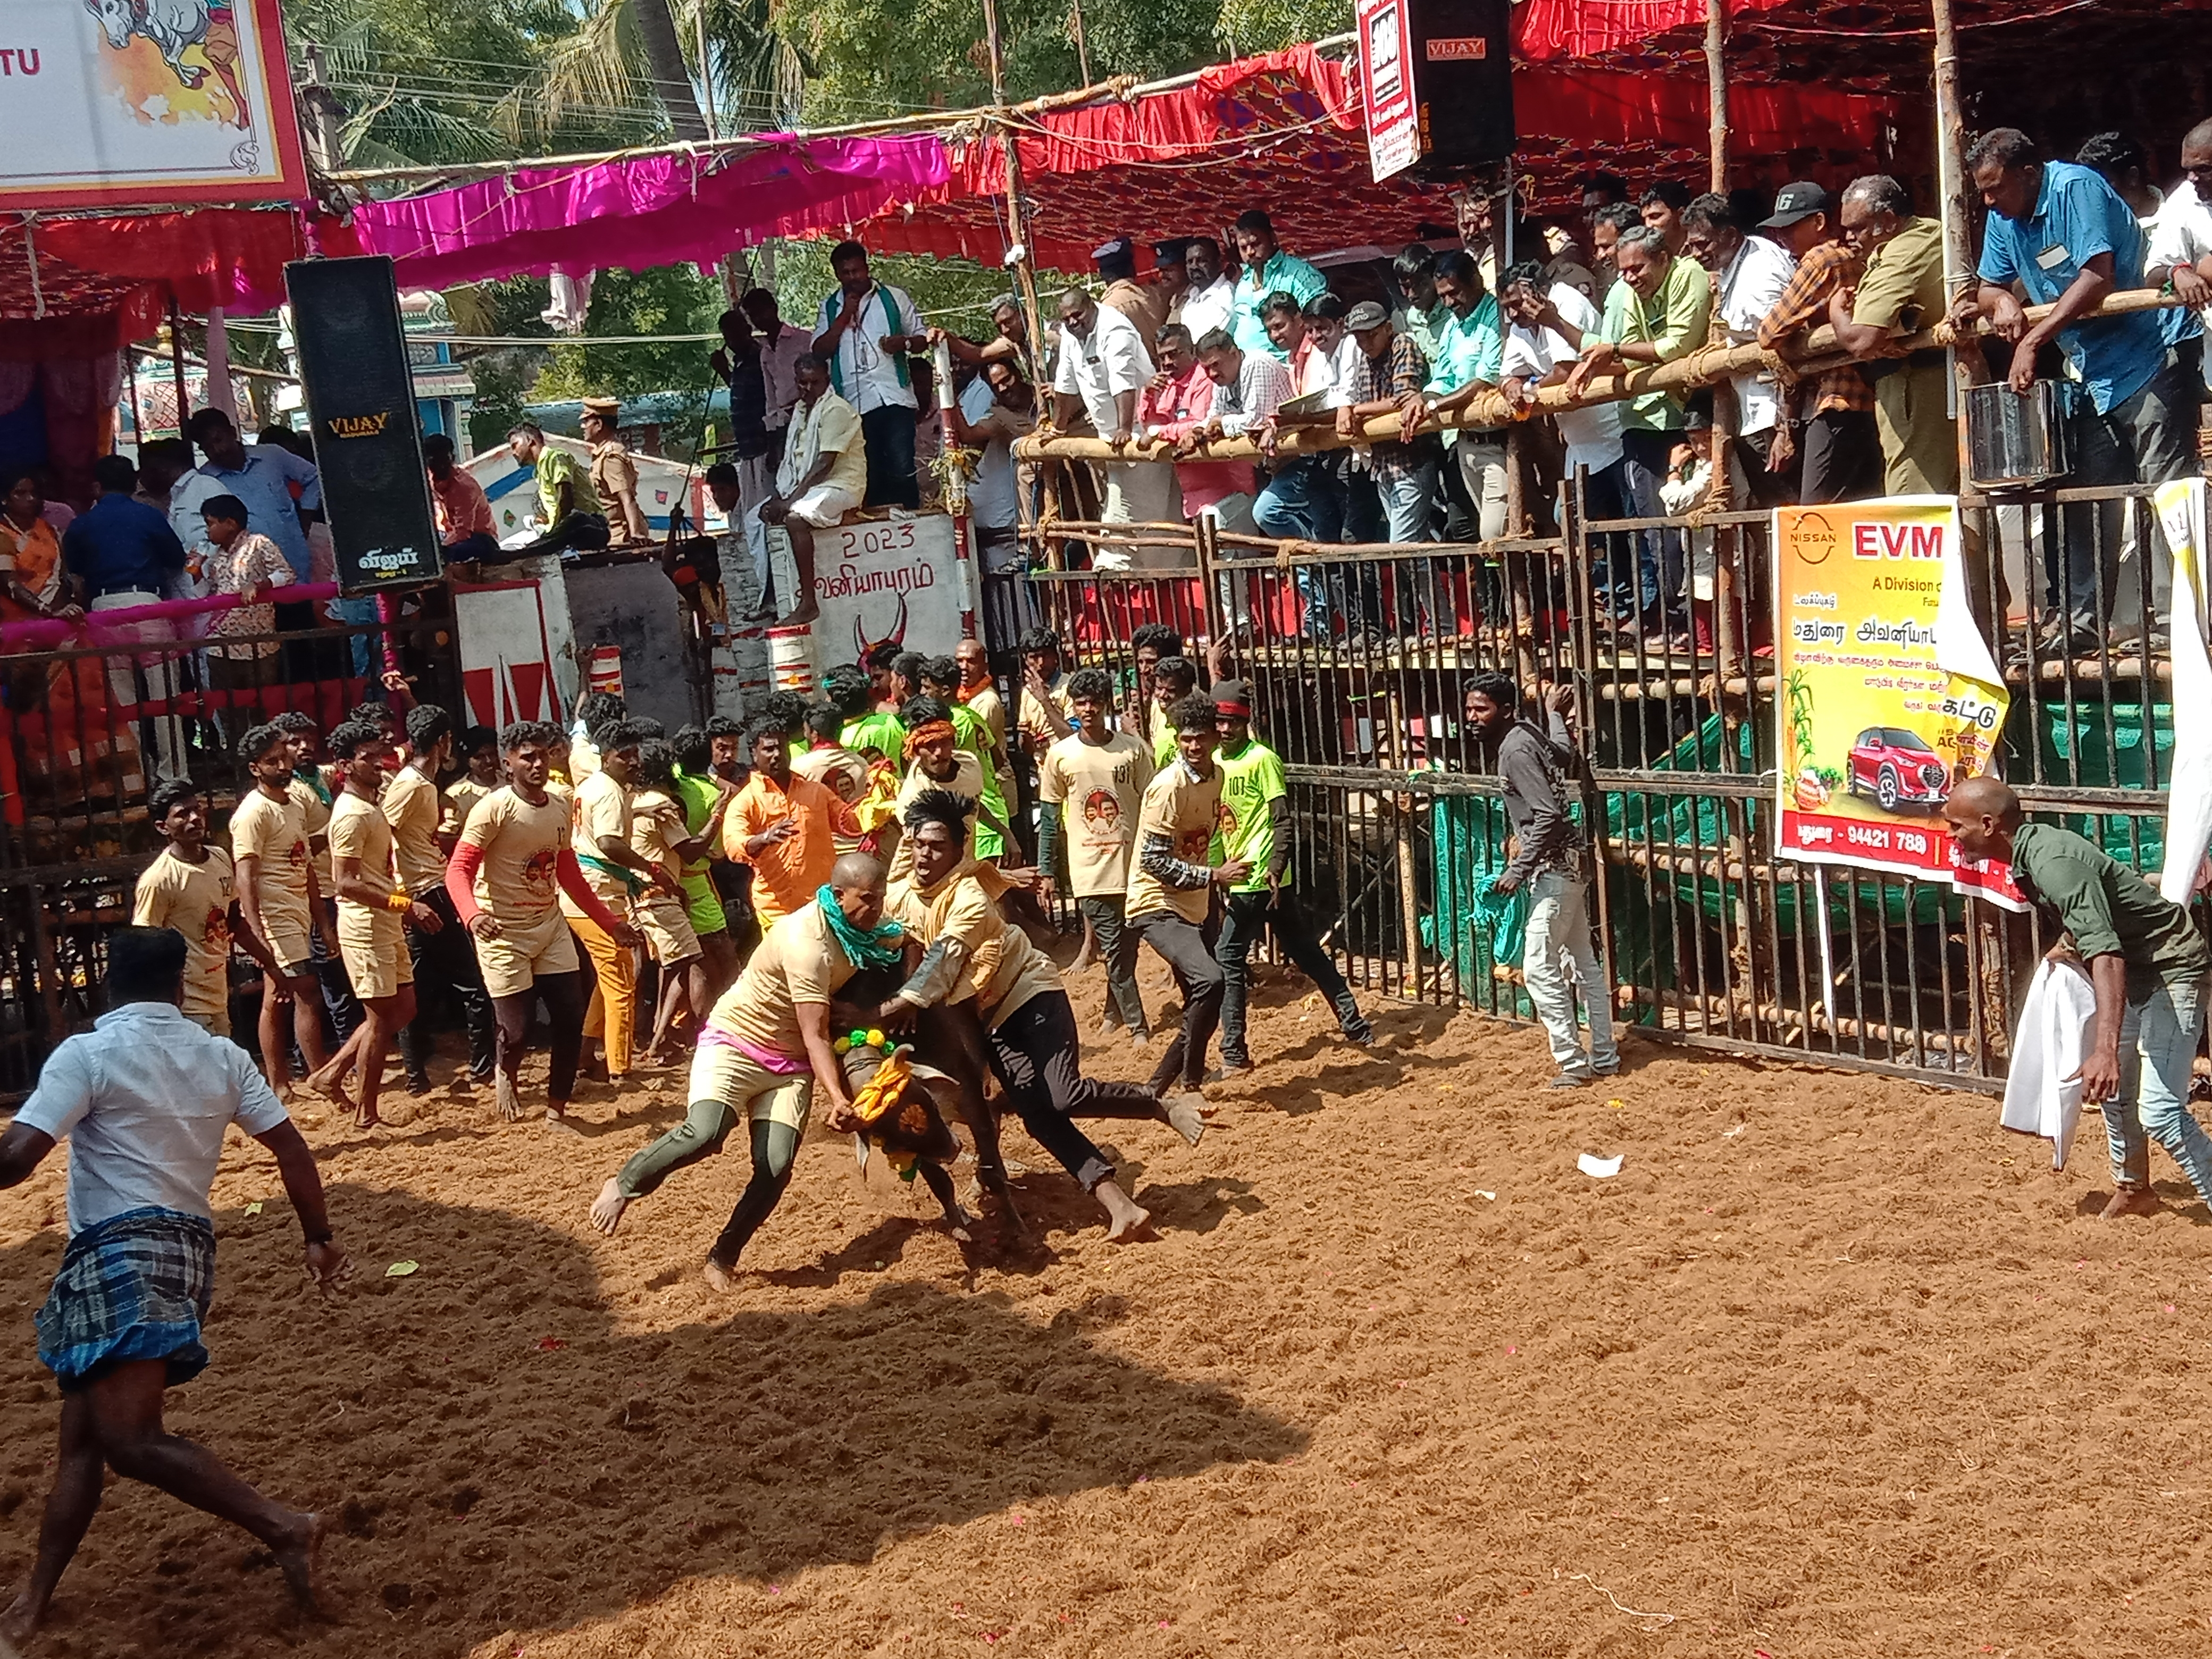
{"x": 175, "y": 27}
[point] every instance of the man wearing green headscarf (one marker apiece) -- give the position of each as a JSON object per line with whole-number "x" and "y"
{"x": 763, "y": 1051}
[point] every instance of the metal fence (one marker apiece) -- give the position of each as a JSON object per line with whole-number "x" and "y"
{"x": 84, "y": 733}
{"x": 1360, "y": 659}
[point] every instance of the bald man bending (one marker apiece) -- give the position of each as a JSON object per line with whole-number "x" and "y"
{"x": 2149, "y": 965}
{"x": 763, "y": 1051}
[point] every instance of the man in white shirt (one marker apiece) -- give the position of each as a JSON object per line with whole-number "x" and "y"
{"x": 996, "y": 410}
{"x": 821, "y": 479}
{"x": 1208, "y": 298}
{"x": 865, "y": 331}
{"x": 1103, "y": 365}
{"x": 1749, "y": 273}
{"x": 2181, "y": 234}
{"x": 1548, "y": 328}
{"x": 145, "y": 1099}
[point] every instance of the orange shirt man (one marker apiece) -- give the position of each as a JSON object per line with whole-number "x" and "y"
{"x": 784, "y": 826}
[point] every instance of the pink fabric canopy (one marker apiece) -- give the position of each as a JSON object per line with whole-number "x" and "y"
{"x": 649, "y": 210}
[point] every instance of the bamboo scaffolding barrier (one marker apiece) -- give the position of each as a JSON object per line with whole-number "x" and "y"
{"x": 1707, "y": 366}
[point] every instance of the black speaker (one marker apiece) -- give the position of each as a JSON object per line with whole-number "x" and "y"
{"x": 361, "y": 405}
{"x": 1439, "y": 84}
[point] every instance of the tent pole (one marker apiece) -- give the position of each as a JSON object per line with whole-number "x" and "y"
{"x": 1716, "y": 89}
{"x": 177, "y": 362}
{"x": 1017, "y": 235}
{"x": 1951, "y": 177}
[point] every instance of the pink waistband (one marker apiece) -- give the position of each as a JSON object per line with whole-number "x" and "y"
{"x": 767, "y": 1059}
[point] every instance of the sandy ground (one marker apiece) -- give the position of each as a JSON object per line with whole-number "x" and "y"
{"x": 1832, "y": 1367}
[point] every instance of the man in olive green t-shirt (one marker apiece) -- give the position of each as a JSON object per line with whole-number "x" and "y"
{"x": 1901, "y": 292}
{"x": 1256, "y": 831}
{"x": 2147, "y": 963}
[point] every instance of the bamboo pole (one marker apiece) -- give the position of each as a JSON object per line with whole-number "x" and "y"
{"x": 1017, "y": 236}
{"x": 1701, "y": 367}
{"x": 1716, "y": 89}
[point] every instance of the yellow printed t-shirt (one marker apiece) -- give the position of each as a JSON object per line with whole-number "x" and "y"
{"x": 1004, "y": 970}
{"x": 520, "y": 879}
{"x": 358, "y": 831}
{"x": 1178, "y": 806}
{"x": 412, "y": 806}
{"x": 194, "y": 900}
{"x": 1102, "y": 787}
{"x": 602, "y": 808}
{"x": 271, "y": 831}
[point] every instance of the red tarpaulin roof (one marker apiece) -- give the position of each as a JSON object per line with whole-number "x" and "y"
{"x": 103, "y": 281}
{"x": 1284, "y": 131}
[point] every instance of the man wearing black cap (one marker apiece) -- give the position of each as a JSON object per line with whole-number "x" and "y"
{"x": 1255, "y": 832}
{"x": 1841, "y": 449}
{"x": 1145, "y": 307}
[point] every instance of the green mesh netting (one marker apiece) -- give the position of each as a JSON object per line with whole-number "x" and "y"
{"x": 1468, "y": 835}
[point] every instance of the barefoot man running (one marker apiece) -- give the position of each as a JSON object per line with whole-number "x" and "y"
{"x": 764, "y": 1050}
{"x": 145, "y": 1097}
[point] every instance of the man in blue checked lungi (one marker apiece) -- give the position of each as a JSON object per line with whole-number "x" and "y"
{"x": 145, "y": 1097}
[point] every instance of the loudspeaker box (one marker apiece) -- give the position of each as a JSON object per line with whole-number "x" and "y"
{"x": 361, "y": 405}
{"x": 1438, "y": 77}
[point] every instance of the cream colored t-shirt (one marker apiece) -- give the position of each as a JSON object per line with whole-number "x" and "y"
{"x": 1178, "y": 806}
{"x": 1003, "y": 970}
{"x": 461, "y": 798}
{"x": 358, "y": 830}
{"x": 656, "y": 823}
{"x": 841, "y": 771}
{"x": 315, "y": 824}
{"x": 271, "y": 831}
{"x": 194, "y": 900}
{"x": 1102, "y": 788}
{"x": 520, "y": 879}
{"x": 798, "y": 962}
{"x": 601, "y": 808}
{"x": 1036, "y": 725}
{"x": 967, "y": 782}
{"x": 413, "y": 807}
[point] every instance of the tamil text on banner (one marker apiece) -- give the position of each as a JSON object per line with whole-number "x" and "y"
{"x": 2189, "y": 784}
{"x": 885, "y": 580}
{"x": 1887, "y": 692}
{"x": 142, "y": 101}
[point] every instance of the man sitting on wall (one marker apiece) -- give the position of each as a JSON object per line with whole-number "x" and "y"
{"x": 823, "y": 479}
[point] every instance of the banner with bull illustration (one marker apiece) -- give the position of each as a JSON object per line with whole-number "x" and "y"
{"x": 146, "y": 101}
{"x": 1886, "y": 691}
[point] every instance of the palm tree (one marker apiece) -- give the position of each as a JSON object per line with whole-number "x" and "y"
{"x": 632, "y": 49}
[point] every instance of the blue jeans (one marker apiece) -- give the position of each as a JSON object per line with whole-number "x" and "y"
{"x": 1305, "y": 501}
{"x": 1659, "y": 552}
{"x": 357, "y": 613}
{"x": 2157, "y": 1042}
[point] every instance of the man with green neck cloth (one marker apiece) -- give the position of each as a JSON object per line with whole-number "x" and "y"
{"x": 1256, "y": 831}
{"x": 764, "y": 1050}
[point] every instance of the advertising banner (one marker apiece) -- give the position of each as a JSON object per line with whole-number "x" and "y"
{"x": 146, "y": 101}
{"x": 1386, "y": 75}
{"x": 2189, "y": 785}
{"x": 1886, "y": 692}
{"x": 886, "y": 579}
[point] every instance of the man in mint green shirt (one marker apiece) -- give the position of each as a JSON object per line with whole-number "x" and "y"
{"x": 1469, "y": 359}
{"x": 1255, "y": 828}
{"x": 1268, "y": 269}
{"x": 1659, "y": 311}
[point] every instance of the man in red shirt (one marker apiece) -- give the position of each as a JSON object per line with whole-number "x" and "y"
{"x": 464, "y": 521}
{"x": 1178, "y": 403}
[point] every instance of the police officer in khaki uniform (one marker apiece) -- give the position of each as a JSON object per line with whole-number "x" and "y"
{"x": 614, "y": 474}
